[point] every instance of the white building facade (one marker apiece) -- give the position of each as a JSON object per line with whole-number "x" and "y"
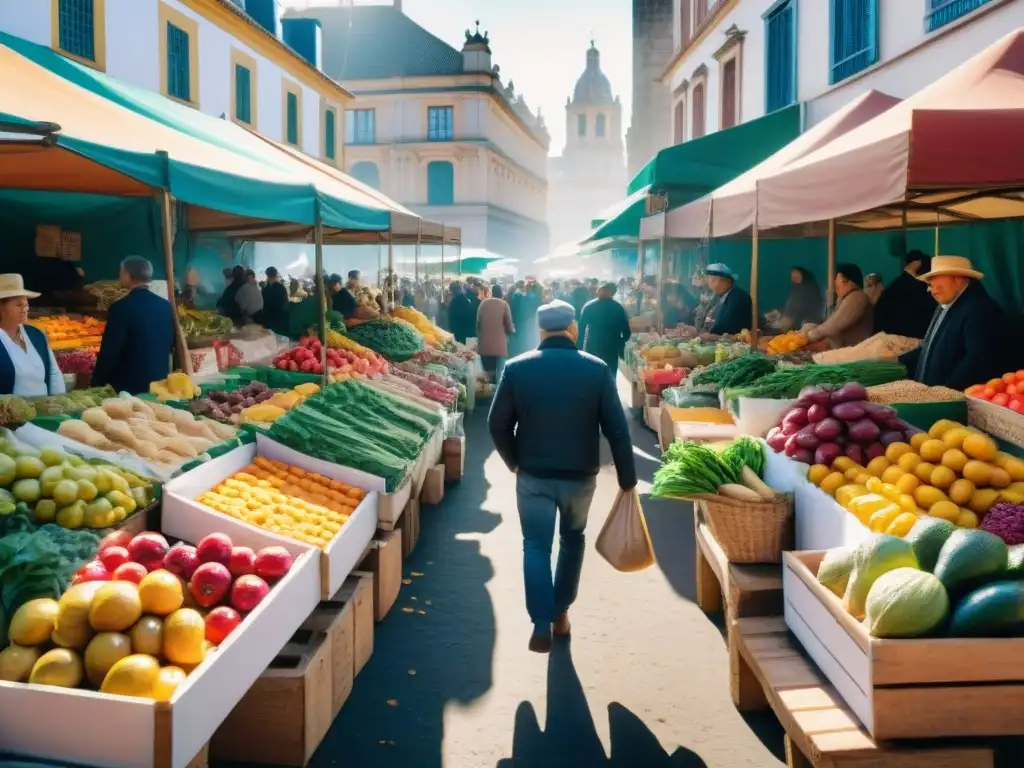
{"x": 590, "y": 174}
{"x": 235, "y": 59}
{"x": 737, "y": 60}
{"x": 435, "y": 128}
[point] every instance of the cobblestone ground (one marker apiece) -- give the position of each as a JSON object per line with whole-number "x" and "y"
{"x": 644, "y": 682}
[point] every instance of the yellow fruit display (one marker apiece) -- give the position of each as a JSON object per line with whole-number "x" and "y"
{"x": 853, "y": 473}
{"x": 16, "y": 663}
{"x": 902, "y": 524}
{"x": 843, "y": 463}
{"x": 916, "y": 441}
{"x": 954, "y": 459}
{"x": 877, "y": 466}
{"x": 289, "y": 501}
{"x": 927, "y": 496}
{"x": 932, "y": 450}
{"x": 894, "y": 450}
{"x": 1013, "y": 465}
{"x": 33, "y": 622}
{"x": 892, "y": 475}
{"x": 103, "y": 651}
{"x": 981, "y": 447}
{"x": 147, "y": 636}
{"x": 941, "y": 427}
{"x": 817, "y": 473}
{"x": 967, "y": 519}
{"x": 954, "y": 438}
{"x": 909, "y": 461}
{"x": 160, "y": 593}
{"x": 960, "y": 491}
{"x": 184, "y": 637}
{"x": 847, "y": 493}
{"x": 832, "y": 483}
{"x": 982, "y": 500}
{"x": 880, "y": 521}
{"x": 908, "y": 483}
{"x": 133, "y": 675}
{"x": 60, "y": 667}
{"x": 865, "y": 506}
{"x": 978, "y": 472}
{"x": 787, "y": 342}
{"x": 115, "y": 607}
{"x": 167, "y": 681}
{"x": 947, "y": 510}
{"x": 923, "y": 471}
{"x": 943, "y": 477}
{"x": 72, "y": 628}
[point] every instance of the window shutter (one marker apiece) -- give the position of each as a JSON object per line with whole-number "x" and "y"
{"x": 729, "y": 94}
{"x": 330, "y": 135}
{"x": 780, "y": 35}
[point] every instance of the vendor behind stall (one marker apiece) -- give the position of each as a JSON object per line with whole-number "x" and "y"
{"x": 852, "y": 322}
{"x": 27, "y": 365}
{"x": 965, "y": 343}
{"x": 805, "y": 304}
{"x": 275, "y": 303}
{"x": 139, "y": 337}
{"x": 732, "y": 309}
{"x": 905, "y": 307}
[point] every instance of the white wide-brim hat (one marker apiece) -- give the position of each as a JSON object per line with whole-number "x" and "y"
{"x": 947, "y": 265}
{"x": 12, "y": 286}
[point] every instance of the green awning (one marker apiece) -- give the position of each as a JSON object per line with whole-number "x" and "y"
{"x": 621, "y": 219}
{"x": 709, "y": 162}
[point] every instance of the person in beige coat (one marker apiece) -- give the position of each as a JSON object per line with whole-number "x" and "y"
{"x": 853, "y": 319}
{"x": 493, "y": 327}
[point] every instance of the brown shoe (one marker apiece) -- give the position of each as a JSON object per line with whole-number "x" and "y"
{"x": 540, "y": 643}
{"x": 561, "y": 627}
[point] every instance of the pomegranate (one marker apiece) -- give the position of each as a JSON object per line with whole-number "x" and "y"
{"x": 242, "y": 561}
{"x": 94, "y": 570}
{"x": 210, "y": 584}
{"x": 115, "y": 539}
{"x": 248, "y": 592}
{"x": 221, "y": 622}
{"x": 182, "y": 560}
{"x": 272, "y": 563}
{"x": 149, "y": 549}
{"x": 215, "y": 548}
{"x": 113, "y": 557}
{"x": 133, "y": 572}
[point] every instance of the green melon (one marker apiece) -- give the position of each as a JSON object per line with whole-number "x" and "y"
{"x": 1015, "y": 562}
{"x": 991, "y": 611}
{"x": 927, "y": 537}
{"x": 880, "y": 555}
{"x": 835, "y": 569}
{"x": 906, "y": 602}
{"x": 969, "y": 559}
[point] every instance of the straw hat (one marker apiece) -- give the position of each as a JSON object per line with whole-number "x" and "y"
{"x": 948, "y": 265}
{"x": 11, "y": 286}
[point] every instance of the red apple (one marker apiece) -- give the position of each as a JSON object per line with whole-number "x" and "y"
{"x": 215, "y": 548}
{"x": 242, "y": 561}
{"x": 118, "y": 538}
{"x": 182, "y": 560}
{"x": 210, "y": 584}
{"x": 272, "y": 563}
{"x": 247, "y": 592}
{"x": 94, "y": 570}
{"x": 149, "y": 549}
{"x": 113, "y": 557}
{"x": 221, "y": 622}
{"x": 133, "y": 572}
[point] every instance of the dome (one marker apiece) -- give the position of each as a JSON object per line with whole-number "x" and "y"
{"x": 593, "y": 87}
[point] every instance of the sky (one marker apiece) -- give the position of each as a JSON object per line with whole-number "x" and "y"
{"x": 539, "y": 44}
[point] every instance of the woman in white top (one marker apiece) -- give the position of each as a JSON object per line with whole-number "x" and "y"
{"x": 27, "y": 365}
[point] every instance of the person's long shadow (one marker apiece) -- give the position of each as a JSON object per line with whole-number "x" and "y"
{"x": 437, "y": 643}
{"x": 570, "y": 738}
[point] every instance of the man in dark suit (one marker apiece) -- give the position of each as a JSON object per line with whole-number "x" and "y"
{"x": 964, "y": 343}
{"x": 732, "y": 310}
{"x": 549, "y": 436}
{"x": 604, "y": 327}
{"x": 139, "y": 337}
{"x": 905, "y": 306}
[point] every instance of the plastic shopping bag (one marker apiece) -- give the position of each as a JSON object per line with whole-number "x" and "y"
{"x": 623, "y": 540}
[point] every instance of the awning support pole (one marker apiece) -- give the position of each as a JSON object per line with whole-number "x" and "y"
{"x": 442, "y": 263}
{"x": 390, "y": 284}
{"x": 755, "y": 331}
{"x": 167, "y": 225}
{"x": 937, "y": 240}
{"x": 321, "y": 292}
{"x": 416, "y": 263}
{"x": 660, "y": 289}
{"x": 830, "y": 297}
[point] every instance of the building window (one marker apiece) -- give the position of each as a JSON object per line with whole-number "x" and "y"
{"x": 292, "y": 116}
{"x": 330, "y": 134}
{"x": 699, "y": 111}
{"x": 854, "y": 37}
{"x": 359, "y": 126}
{"x": 942, "y": 12}
{"x": 730, "y": 96}
{"x": 679, "y": 122}
{"x": 179, "y": 55}
{"x": 700, "y": 13}
{"x": 440, "y": 123}
{"x": 684, "y": 22}
{"x": 78, "y": 30}
{"x": 581, "y": 125}
{"x": 599, "y": 127}
{"x": 243, "y": 94}
{"x": 366, "y": 172}
{"x": 440, "y": 183}
{"x": 780, "y": 56}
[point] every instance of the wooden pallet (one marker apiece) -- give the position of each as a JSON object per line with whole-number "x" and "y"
{"x": 737, "y": 591}
{"x": 820, "y": 730}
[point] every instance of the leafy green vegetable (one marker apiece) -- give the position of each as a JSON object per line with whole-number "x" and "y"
{"x": 396, "y": 341}
{"x": 689, "y": 469}
{"x": 30, "y": 567}
{"x": 737, "y": 372}
{"x": 787, "y": 382}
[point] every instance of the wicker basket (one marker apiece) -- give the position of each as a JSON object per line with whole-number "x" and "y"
{"x": 749, "y": 531}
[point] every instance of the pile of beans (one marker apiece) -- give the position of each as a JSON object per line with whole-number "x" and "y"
{"x": 879, "y": 345}
{"x": 907, "y": 391}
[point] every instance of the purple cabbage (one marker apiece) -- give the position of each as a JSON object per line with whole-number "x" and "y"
{"x": 1005, "y": 520}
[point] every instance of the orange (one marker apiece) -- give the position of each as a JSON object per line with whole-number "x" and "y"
{"x": 160, "y": 591}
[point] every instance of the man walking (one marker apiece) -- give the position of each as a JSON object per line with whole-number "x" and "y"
{"x": 604, "y": 327}
{"x": 548, "y": 412}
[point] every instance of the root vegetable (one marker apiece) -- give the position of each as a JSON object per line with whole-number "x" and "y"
{"x": 738, "y": 492}
{"x": 755, "y": 483}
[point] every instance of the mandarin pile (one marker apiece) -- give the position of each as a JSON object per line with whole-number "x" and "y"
{"x": 287, "y": 500}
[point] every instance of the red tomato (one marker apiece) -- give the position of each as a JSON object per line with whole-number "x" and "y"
{"x": 1016, "y": 404}
{"x": 1001, "y": 399}
{"x": 975, "y": 390}
{"x": 988, "y": 393}
{"x": 1020, "y": 375}
{"x": 1009, "y": 378}
{"x": 1011, "y": 389}
{"x": 996, "y": 384}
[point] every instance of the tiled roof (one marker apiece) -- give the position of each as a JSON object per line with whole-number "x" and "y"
{"x": 375, "y": 42}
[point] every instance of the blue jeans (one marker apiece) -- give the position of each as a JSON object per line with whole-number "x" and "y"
{"x": 538, "y": 500}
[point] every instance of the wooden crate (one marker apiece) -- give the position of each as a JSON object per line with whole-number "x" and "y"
{"x": 738, "y": 591}
{"x": 409, "y": 525}
{"x": 820, "y": 729}
{"x": 433, "y": 486}
{"x": 384, "y": 561}
{"x": 358, "y": 592}
{"x": 905, "y": 689}
{"x": 454, "y": 455}
{"x": 337, "y": 619}
{"x": 287, "y": 712}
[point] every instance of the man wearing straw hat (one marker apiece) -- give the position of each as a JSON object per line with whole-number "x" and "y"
{"x": 964, "y": 344}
